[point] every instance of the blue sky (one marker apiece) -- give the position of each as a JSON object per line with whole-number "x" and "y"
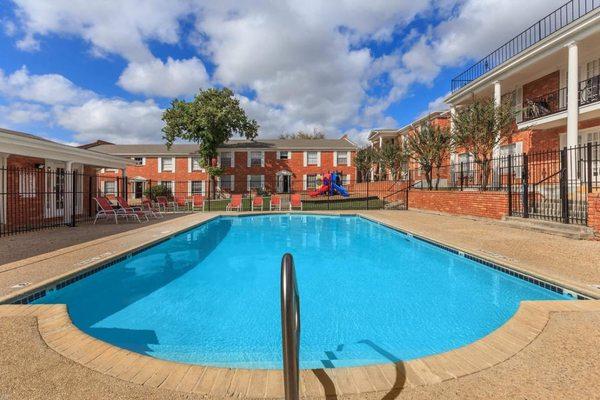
{"x": 77, "y": 71}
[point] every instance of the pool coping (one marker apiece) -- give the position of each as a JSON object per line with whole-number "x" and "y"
{"x": 60, "y": 334}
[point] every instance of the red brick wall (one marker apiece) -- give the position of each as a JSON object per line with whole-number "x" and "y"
{"x": 541, "y": 86}
{"x": 24, "y": 209}
{"x": 594, "y": 212}
{"x": 478, "y": 204}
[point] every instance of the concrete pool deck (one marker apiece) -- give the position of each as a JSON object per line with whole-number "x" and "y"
{"x": 47, "y": 330}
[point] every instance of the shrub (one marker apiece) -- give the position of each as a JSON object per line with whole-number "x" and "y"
{"x": 159, "y": 190}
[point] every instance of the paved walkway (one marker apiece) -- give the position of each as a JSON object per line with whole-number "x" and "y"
{"x": 560, "y": 360}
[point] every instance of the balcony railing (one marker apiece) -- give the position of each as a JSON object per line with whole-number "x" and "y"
{"x": 556, "y": 20}
{"x": 556, "y": 101}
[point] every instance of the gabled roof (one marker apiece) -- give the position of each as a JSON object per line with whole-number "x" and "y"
{"x": 191, "y": 149}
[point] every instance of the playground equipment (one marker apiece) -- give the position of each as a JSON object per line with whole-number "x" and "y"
{"x": 330, "y": 184}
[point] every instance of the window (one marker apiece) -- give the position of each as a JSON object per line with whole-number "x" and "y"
{"x": 312, "y": 158}
{"x": 167, "y": 184}
{"x": 342, "y": 158}
{"x": 110, "y": 187}
{"x": 196, "y": 166}
{"x": 345, "y": 179}
{"x": 256, "y": 158}
{"x": 196, "y": 187}
{"x": 311, "y": 181}
{"x": 139, "y": 160}
{"x": 226, "y": 182}
{"x": 27, "y": 184}
{"x": 167, "y": 164}
{"x": 284, "y": 155}
{"x": 255, "y": 182}
{"x": 226, "y": 159}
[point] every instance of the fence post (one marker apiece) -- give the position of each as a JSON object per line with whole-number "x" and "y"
{"x": 564, "y": 189}
{"x": 525, "y": 182}
{"x": 509, "y": 183}
{"x": 588, "y": 168}
{"x": 367, "y": 193}
{"x": 74, "y": 196}
{"x": 461, "y": 176}
{"x": 90, "y": 180}
{"x": 125, "y": 188}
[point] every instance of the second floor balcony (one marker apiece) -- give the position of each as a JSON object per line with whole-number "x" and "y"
{"x": 555, "y": 102}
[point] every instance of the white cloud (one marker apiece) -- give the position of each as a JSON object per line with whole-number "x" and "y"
{"x": 48, "y": 88}
{"x": 23, "y": 113}
{"x": 171, "y": 79}
{"x": 120, "y": 27}
{"x": 113, "y": 120}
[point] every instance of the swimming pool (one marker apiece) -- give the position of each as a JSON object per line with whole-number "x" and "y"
{"x": 369, "y": 294}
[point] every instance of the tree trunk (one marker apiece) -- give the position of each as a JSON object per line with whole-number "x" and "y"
{"x": 428, "y": 178}
{"x": 485, "y": 176}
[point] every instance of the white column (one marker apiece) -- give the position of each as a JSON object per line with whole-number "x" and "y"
{"x": 497, "y": 102}
{"x": 3, "y": 187}
{"x": 452, "y": 116}
{"x": 573, "y": 96}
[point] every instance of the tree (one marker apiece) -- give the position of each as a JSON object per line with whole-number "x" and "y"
{"x": 392, "y": 157}
{"x": 479, "y": 127}
{"x": 212, "y": 118}
{"x": 316, "y": 134}
{"x": 429, "y": 145}
{"x": 364, "y": 160}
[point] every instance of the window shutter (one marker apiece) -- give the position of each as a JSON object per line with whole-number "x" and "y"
{"x": 249, "y": 155}
{"x": 262, "y": 159}
{"x": 519, "y": 148}
{"x": 232, "y": 183}
{"x": 173, "y": 188}
{"x": 305, "y": 159}
{"x": 189, "y": 188}
{"x": 335, "y": 158}
{"x": 189, "y": 164}
{"x": 318, "y": 158}
{"x": 262, "y": 181}
{"x": 232, "y": 158}
{"x": 173, "y": 164}
{"x": 304, "y": 185}
{"x": 278, "y": 153}
{"x": 248, "y": 182}
{"x": 159, "y": 164}
{"x": 349, "y": 158}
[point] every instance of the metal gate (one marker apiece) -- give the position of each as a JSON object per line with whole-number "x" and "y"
{"x": 553, "y": 185}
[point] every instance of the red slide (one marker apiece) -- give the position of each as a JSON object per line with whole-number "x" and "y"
{"x": 321, "y": 190}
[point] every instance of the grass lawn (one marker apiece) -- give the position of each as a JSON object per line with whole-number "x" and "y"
{"x": 221, "y": 205}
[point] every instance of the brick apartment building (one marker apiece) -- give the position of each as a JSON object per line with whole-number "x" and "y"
{"x": 380, "y": 137}
{"x": 37, "y": 177}
{"x": 551, "y": 72}
{"x": 275, "y": 166}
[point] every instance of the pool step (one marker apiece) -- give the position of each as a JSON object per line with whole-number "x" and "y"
{"x": 550, "y": 227}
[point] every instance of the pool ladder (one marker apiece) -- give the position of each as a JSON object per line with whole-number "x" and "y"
{"x": 290, "y": 328}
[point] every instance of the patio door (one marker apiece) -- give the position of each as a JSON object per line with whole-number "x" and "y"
{"x": 283, "y": 183}
{"x": 138, "y": 190}
{"x": 55, "y": 190}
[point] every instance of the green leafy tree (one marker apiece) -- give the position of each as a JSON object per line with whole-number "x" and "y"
{"x": 158, "y": 190}
{"x": 212, "y": 118}
{"x": 429, "y": 145}
{"x": 392, "y": 158}
{"x": 364, "y": 160}
{"x": 479, "y": 127}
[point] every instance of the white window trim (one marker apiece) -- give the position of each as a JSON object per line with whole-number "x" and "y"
{"x": 203, "y": 187}
{"x": 105, "y": 192}
{"x": 249, "y": 157}
{"x": 262, "y": 181}
{"x": 289, "y": 154}
{"x": 305, "y": 160}
{"x": 335, "y": 154}
{"x": 318, "y": 158}
{"x": 160, "y": 164}
{"x": 304, "y": 181}
{"x": 232, "y": 158}
{"x": 143, "y": 161}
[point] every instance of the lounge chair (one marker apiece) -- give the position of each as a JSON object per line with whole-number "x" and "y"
{"x": 128, "y": 211}
{"x": 258, "y": 202}
{"x": 198, "y": 201}
{"x": 106, "y": 210}
{"x": 235, "y": 203}
{"x": 164, "y": 203}
{"x": 295, "y": 202}
{"x": 182, "y": 202}
{"x": 275, "y": 203}
{"x": 150, "y": 209}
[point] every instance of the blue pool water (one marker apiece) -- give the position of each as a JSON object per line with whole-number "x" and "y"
{"x": 368, "y": 294}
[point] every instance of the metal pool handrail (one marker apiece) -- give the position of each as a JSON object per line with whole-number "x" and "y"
{"x": 290, "y": 328}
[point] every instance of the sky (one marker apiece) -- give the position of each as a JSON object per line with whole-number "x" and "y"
{"x": 78, "y": 70}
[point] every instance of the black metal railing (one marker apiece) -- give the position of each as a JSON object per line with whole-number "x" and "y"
{"x": 556, "y": 20}
{"x": 546, "y": 104}
{"x": 35, "y": 199}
